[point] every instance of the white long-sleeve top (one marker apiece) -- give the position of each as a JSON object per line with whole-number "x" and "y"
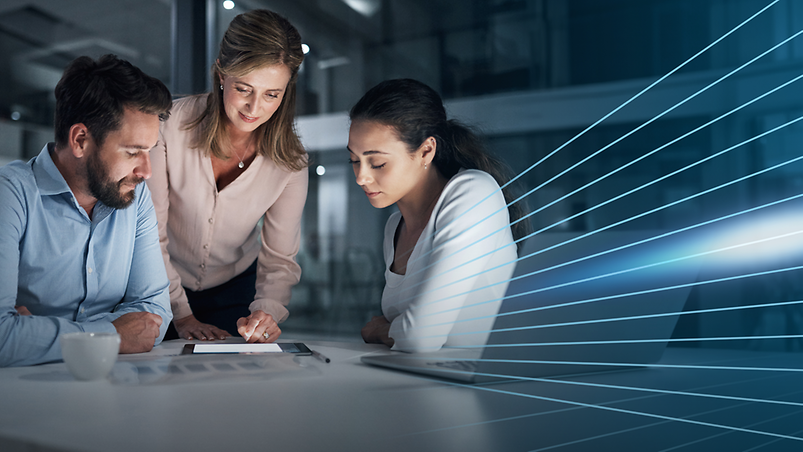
{"x": 428, "y": 306}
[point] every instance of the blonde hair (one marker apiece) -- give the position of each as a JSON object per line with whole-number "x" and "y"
{"x": 254, "y": 40}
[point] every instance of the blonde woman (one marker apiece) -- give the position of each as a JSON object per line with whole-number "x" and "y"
{"x": 226, "y": 160}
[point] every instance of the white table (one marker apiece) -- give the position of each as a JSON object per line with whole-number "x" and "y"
{"x": 160, "y": 401}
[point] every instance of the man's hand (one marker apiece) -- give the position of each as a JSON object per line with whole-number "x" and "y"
{"x": 138, "y": 331}
{"x": 376, "y": 331}
{"x": 22, "y": 310}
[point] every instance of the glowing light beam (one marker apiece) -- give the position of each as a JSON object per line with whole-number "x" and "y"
{"x": 791, "y": 370}
{"x": 655, "y": 118}
{"x": 643, "y": 214}
{"x": 634, "y": 317}
{"x": 629, "y": 294}
{"x": 590, "y": 209}
{"x": 620, "y": 272}
{"x": 634, "y": 412}
{"x": 627, "y": 102}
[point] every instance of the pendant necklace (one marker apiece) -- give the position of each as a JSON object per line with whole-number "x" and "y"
{"x": 241, "y": 164}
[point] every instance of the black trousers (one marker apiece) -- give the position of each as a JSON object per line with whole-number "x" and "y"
{"x": 222, "y": 305}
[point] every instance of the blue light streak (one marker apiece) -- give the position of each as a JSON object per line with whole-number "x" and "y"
{"x": 643, "y": 341}
{"x": 615, "y": 110}
{"x": 633, "y": 218}
{"x": 761, "y": 446}
{"x": 616, "y": 198}
{"x": 660, "y": 391}
{"x": 635, "y": 317}
{"x": 775, "y": 47}
{"x": 619, "y": 401}
{"x": 637, "y": 95}
{"x": 620, "y": 272}
{"x": 644, "y": 292}
{"x": 612, "y": 297}
{"x": 619, "y": 248}
{"x": 793, "y": 370}
{"x": 701, "y": 440}
{"x": 637, "y": 413}
{"x": 660, "y": 148}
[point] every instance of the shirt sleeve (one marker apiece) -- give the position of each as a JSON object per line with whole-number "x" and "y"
{"x": 28, "y": 340}
{"x": 159, "y": 185}
{"x": 24, "y": 340}
{"x": 277, "y": 269}
{"x": 465, "y": 236}
{"x": 147, "y": 289}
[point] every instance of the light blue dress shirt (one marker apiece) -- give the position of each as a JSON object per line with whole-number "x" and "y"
{"x": 72, "y": 272}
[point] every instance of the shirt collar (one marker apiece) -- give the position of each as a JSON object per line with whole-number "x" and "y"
{"x": 48, "y": 177}
{"x": 51, "y": 182}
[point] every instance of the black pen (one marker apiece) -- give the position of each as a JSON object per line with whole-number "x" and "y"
{"x": 321, "y": 357}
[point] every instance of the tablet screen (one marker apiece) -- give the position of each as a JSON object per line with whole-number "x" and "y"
{"x": 237, "y": 348}
{"x": 279, "y": 347}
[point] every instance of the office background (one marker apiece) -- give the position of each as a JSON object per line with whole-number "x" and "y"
{"x": 532, "y": 75}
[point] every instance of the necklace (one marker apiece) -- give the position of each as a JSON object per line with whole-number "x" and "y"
{"x": 241, "y": 164}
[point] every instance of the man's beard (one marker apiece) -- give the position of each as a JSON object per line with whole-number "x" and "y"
{"x": 105, "y": 190}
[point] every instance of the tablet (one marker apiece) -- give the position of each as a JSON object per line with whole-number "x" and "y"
{"x": 296, "y": 348}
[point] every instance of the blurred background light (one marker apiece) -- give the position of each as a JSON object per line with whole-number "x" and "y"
{"x": 769, "y": 239}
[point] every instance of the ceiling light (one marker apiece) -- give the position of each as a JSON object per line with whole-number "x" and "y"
{"x": 365, "y": 7}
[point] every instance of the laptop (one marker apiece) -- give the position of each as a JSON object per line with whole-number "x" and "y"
{"x": 561, "y": 317}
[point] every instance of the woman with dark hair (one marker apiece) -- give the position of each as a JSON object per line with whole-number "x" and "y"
{"x": 226, "y": 160}
{"x": 449, "y": 249}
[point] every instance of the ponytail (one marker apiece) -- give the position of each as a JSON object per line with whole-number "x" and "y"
{"x": 416, "y": 112}
{"x": 465, "y": 149}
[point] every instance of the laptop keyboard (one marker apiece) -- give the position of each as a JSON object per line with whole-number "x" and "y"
{"x": 464, "y": 366}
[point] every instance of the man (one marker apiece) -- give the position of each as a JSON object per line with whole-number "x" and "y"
{"x": 79, "y": 246}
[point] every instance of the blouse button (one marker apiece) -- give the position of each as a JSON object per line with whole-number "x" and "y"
{"x": 211, "y": 220}
{"x": 206, "y": 247}
{"x": 203, "y": 265}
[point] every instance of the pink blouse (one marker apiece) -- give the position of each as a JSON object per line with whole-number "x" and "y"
{"x": 208, "y": 236}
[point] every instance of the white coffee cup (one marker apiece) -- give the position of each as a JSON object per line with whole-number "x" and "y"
{"x": 90, "y": 356}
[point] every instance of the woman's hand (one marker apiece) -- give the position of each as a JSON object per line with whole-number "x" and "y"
{"x": 376, "y": 331}
{"x": 190, "y": 328}
{"x": 22, "y": 310}
{"x": 257, "y": 326}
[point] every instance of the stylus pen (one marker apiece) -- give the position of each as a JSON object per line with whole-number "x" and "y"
{"x": 321, "y": 357}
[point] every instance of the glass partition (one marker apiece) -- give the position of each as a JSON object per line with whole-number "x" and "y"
{"x": 38, "y": 39}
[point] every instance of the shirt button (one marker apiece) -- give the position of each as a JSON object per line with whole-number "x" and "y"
{"x": 203, "y": 265}
{"x": 211, "y": 220}
{"x": 90, "y": 270}
{"x": 206, "y": 247}
{"x": 83, "y": 310}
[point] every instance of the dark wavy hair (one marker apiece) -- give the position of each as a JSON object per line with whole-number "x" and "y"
{"x": 416, "y": 112}
{"x": 96, "y": 93}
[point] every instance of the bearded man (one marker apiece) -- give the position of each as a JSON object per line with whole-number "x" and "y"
{"x": 79, "y": 245}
